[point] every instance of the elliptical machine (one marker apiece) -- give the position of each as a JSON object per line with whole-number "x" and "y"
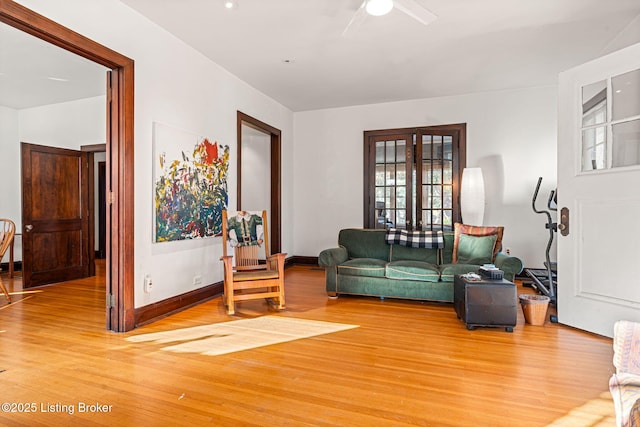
{"x": 545, "y": 281}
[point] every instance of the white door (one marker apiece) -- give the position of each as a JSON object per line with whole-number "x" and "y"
{"x": 599, "y": 182}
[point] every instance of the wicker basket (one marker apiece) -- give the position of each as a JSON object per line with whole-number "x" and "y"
{"x": 534, "y": 308}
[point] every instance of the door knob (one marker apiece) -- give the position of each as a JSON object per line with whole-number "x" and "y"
{"x": 28, "y": 227}
{"x": 564, "y": 221}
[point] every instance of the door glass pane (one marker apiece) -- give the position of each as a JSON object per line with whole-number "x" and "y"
{"x": 380, "y": 198}
{"x": 436, "y": 197}
{"x": 391, "y": 174}
{"x": 426, "y": 196}
{"x": 426, "y": 219}
{"x": 391, "y": 152}
{"x": 447, "y": 197}
{"x": 426, "y": 172}
{"x": 594, "y": 103}
{"x": 401, "y": 148}
{"x": 447, "y": 148}
{"x": 401, "y": 218}
{"x": 379, "y": 174}
{"x": 436, "y": 217}
{"x": 401, "y": 174}
{"x": 426, "y": 146}
{"x": 626, "y": 102}
{"x": 447, "y": 172}
{"x": 436, "y": 175}
{"x": 380, "y": 211}
{"x": 437, "y": 147}
{"x": 401, "y": 197}
{"x": 390, "y": 197}
{"x": 447, "y": 220}
{"x": 379, "y": 151}
{"x": 594, "y": 148}
{"x": 626, "y": 143}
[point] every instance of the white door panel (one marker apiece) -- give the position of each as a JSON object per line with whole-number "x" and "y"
{"x": 599, "y": 260}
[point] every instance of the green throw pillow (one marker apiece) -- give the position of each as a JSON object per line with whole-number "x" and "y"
{"x": 476, "y": 250}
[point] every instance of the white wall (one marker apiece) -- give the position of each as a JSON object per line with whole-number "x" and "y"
{"x": 177, "y": 86}
{"x": 256, "y": 162}
{"x": 511, "y": 135}
{"x": 65, "y": 125}
{"x": 10, "y": 186}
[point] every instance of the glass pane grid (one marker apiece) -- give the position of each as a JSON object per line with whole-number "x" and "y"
{"x": 431, "y": 200}
{"x": 610, "y": 131}
{"x": 437, "y": 182}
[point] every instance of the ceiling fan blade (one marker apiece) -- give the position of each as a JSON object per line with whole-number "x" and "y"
{"x": 356, "y": 19}
{"x": 416, "y": 11}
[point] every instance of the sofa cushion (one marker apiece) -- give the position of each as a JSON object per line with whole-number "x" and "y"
{"x": 414, "y": 254}
{"x": 371, "y": 267}
{"x": 473, "y": 230}
{"x": 363, "y": 243}
{"x": 447, "y": 271}
{"x": 476, "y": 249}
{"x": 413, "y": 270}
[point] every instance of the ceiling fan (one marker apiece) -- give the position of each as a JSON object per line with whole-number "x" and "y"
{"x": 382, "y": 7}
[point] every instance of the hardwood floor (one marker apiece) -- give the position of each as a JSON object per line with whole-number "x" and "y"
{"x": 409, "y": 363}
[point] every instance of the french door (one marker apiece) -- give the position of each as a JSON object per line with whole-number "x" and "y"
{"x": 412, "y": 177}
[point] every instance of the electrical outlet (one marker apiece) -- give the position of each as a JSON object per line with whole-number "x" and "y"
{"x": 148, "y": 284}
{"x": 197, "y": 280}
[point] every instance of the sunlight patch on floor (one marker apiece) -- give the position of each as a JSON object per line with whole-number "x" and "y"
{"x": 227, "y": 337}
{"x": 598, "y": 412}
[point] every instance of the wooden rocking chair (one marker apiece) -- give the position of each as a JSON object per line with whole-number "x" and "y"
{"x": 7, "y": 232}
{"x": 246, "y": 233}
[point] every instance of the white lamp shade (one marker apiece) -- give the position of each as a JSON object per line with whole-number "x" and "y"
{"x": 472, "y": 196}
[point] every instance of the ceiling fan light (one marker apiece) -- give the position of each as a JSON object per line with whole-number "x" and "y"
{"x": 230, "y": 4}
{"x": 378, "y": 7}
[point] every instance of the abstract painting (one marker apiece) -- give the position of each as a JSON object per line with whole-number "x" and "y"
{"x": 190, "y": 181}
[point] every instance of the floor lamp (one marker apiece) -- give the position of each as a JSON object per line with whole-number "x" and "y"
{"x": 472, "y": 196}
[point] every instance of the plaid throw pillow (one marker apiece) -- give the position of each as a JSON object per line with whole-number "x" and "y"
{"x": 415, "y": 239}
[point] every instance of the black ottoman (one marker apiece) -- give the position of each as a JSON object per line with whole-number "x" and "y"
{"x": 485, "y": 302}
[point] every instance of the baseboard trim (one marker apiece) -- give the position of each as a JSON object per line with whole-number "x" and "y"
{"x": 17, "y": 266}
{"x": 303, "y": 260}
{"x": 156, "y": 311}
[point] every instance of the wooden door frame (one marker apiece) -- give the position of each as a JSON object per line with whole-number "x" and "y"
{"x": 275, "y": 231}
{"x": 120, "y": 152}
{"x": 91, "y": 150}
{"x": 370, "y": 136}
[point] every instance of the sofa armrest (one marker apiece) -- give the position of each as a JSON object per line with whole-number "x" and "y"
{"x": 509, "y": 264}
{"x": 333, "y": 256}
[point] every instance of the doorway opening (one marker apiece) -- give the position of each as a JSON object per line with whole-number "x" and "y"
{"x": 259, "y": 166}
{"x": 120, "y": 313}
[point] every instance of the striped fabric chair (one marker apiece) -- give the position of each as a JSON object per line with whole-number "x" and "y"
{"x": 625, "y": 383}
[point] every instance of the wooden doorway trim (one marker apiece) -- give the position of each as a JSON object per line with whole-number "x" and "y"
{"x": 120, "y": 152}
{"x": 275, "y": 229}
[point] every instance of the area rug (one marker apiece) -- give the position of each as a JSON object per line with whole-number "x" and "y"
{"x": 239, "y": 335}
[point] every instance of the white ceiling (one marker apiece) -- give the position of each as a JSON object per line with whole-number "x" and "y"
{"x": 35, "y": 73}
{"x": 473, "y": 46}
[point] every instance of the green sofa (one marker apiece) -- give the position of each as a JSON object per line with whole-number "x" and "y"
{"x": 365, "y": 264}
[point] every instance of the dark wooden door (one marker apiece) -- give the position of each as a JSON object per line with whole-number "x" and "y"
{"x": 55, "y": 223}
